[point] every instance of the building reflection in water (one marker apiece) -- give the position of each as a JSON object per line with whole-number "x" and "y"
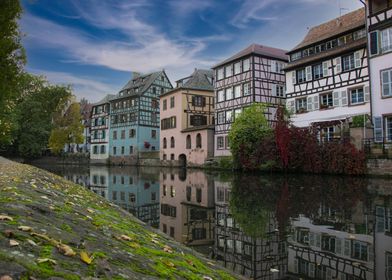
{"x": 263, "y": 227}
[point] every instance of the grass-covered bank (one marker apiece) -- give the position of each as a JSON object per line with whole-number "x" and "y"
{"x": 52, "y": 228}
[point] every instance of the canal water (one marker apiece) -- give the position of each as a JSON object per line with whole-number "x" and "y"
{"x": 263, "y": 227}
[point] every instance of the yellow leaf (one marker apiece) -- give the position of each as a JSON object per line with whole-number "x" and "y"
{"x": 168, "y": 263}
{"x": 134, "y": 245}
{"x": 90, "y": 210}
{"x": 167, "y": 249}
{"x": 66, "y": 250}
{"x": 46, "y": 260}
{"x": 13, "y": 243}
{"x": 85, "y": 258}
{"x": 5, "y": 218}
{"x": 125, "y": 237}
{"x": 25, "y": 228}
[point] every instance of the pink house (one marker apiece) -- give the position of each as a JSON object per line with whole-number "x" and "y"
{"x": 187, "y": 121}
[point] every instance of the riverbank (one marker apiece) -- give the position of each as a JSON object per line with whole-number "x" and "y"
{"x": 51, "y": 228}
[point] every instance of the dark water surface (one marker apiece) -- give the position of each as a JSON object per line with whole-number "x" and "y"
{"x": 263, "y": 227}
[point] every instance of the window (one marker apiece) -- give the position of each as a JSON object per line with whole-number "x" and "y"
{"x": 164, "y": 143}
{"x": 199, "y": 233}
{"x": 197, "y": 120}
{"x": 168, "y": 123}
{"x": 229, "y": 93}
{"x": 153, "y": 134}
{"x": 114, "y": 179}
{"x": 229, "y": 116}
{"x": 220, "y": 73}
{"x": 172, "y": 191}
{"x": 386, "y": 81}
{"x": 301, "y": 75}
{"x": 246, "y": 64}
{"x": 95, "y": 179}
{"x": 220, "y": 142}
{"x": 317, "y": 71}
{"x": 246, "y": 89}
{"x": 103, "y": 149}
{"x": 95, "y": 149}
{"x": 132, "y": 197}
{"x": 171, "y": 232}
{"x": 114, "y": 135}
{"x": 359, "y": 250}
{"x": 327, "y": 134}
{"x": 388, "y": 124}
{"x": 237, "y": 91}
{"x": 229, "y": 70}
{"x": 386, "y": 39}
{"x": 130, "y": 150}
{"x": 300, "y": 105}
{"x": 348, "y": 62}
{"x": 164, "y": 228}
{"x": 154, "y": 117}
{"x": 122, "y": 150}
{"x": 114, "y": 150}
{"x": 168, "y": 210}
{"x": 359, "y": 34}
{"x": 237, "y": 112}
{"x": 198, "y": 100}
{"x": 221, "y": 117}
{"x": 122, "y": 134}
{"x": 326, "y": 100}
{"x": 377, "y": 6}
{"x": 102, "y": 180}
{"x": 328, "y": 243}
{"x": 172, "y": 102}
{"x": 279, "y": 91}
{"x": 357, "y": 96}
{"x": 153, "y": 196}
{"x": 237, "y": 68}
{"x": 198, "y": 140}
{"x": 164, "y": 105}
{"x": 296, "y": 56}
{"x": 132, "y": 133}
{"x": 188, "y": 142}
{"x": 221, "y": 95}
{"x": 172, "y": 142}
{"x": 114, "y": 195}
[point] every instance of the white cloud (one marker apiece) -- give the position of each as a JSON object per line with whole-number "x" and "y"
{"x": 85, "y": 87}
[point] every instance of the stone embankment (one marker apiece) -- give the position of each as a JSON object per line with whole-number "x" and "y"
{"x": 51, "y": 228}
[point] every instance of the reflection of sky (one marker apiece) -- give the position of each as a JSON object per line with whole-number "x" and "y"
{"x": 315, "y": 224}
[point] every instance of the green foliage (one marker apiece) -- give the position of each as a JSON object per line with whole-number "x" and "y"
{"x": 67, "y": 128}
{"x": 249, "y": 128}
{"x": 12, "y": 59}
{"x": 359, "y": 121}
{"x": 226, "y": 162}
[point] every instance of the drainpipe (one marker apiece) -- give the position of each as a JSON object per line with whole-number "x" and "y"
{"x": 368, "y": 60}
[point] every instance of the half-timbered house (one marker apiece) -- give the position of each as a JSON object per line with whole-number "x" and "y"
{"x": 380, "y": 61}
{"x": 99, "y": 130}
{"x": 187, "y": 120}
{"x": 327, "y": 78}
{"x": 255, "y": 74}
{"x": 134, "y": 117}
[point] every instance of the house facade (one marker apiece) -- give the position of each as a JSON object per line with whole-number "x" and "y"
{"x": 187, "y": 118}
{"x": 380, "y": 52}
{"x": 255, "y": 74}
{"x": 99, "y": 131}
{"x": 134, "y": 117}
{"x": 327, "y": 78}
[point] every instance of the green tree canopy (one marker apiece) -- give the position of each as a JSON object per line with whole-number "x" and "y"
{"x": 12, "y": 60}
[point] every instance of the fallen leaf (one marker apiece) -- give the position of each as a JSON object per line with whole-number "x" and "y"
{"x": 134, "y": 245}
{"x": 207, "y": 278}
{"x": 126, "y": 237}
{"x": 85, "y": 258}
{"x": 5, "y": 277}
{"x": 31, "y": 242}
{"x": 66, "y": 250}
{"x": 25, "y": 228}
{"x": 13, "y": 243}
{"x": 5, "y": 218}
{"x": 167, "y": 249}
{"x": 46, "y": 260}
{"x": 90, "y": 210}
{"x": 168, "y": 263}
{"x": 154, "y": 241}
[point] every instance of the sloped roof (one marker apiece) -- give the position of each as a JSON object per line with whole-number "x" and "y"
{"x": 256, "y": 49}
{"x": 104, "y": 100}
{"x": 138, "y": 85}
{"x": 333, "y": 28}
{"x": 199, "y": 80}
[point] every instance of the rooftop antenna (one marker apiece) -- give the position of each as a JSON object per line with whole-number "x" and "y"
{"x": 340, "y": 8}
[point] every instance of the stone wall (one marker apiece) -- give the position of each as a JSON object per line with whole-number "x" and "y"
{"x": 379, "y": 167}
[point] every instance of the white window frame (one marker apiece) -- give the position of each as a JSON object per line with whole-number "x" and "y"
{"x": 229, "y": 116}
{"x": 228, "y": 70}
{"x": 237, "y": 91}
{"x": 237, "y": 68}
{"x": 300, "y": 103}
{"x": 388, "y": 128}
{"x": 247, "y": 91}
{"x": 221, "y": 117}
{"x": 386, "y": 40}
{"x": 356, "y": 92}
{"x": 220, "y": 73}
{"x": 220, "y": 143}
{"x": 221, "y": 95}
{"x": 351, "y": 62}
{"x": 246, "y": 65}
{"x": 386, "y": 84}
{"x": 229, "y": 93}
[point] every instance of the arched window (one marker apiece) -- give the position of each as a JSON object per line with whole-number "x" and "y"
{"x": 164, "y": 143}
{"x": 188, "y": 142}
{"x": 172, "y": 142}
{"x": 198, "y": 140}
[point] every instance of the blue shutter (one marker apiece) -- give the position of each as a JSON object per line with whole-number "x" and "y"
{"x": 378, "y": 131}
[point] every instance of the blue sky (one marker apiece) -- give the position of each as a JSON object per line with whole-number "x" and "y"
{"x": 94, "y": 45}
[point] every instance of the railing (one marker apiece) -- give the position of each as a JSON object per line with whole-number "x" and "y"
{"x": 381, "y": 149}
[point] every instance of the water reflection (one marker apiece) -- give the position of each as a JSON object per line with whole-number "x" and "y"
{"x": 263, "y": 227}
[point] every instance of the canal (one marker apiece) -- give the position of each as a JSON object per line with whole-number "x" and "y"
{"x": 263, "y": 227}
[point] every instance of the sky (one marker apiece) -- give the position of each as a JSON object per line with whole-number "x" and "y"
{"x": 94, "y": 45}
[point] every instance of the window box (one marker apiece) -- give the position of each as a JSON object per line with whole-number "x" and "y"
{"x": 301, "y": 111}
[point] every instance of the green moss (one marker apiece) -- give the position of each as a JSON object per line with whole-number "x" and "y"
{"x": 66, "y": 228}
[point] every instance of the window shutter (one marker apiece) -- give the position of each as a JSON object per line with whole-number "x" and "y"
{"x": 311, "y": 270}
{"x": 344, "y": 98}
{"x": 338, "y": 63}
{"x": 203, "y": 102}
{"x": 374, "y": 43}
{"x": 357, "y": 59}
{"x": 273, "y": 90}
{"x": 290, "y": 106}
{"x": 325, "y": 69}
{"x": 347, "y": 248}
{"x": 308, "y": 71}
{"x": 318, "y": 240}
{"x": 295, "y": 266}
{"x": 311, "y": 239}
{"x": 273, "y": 66}
{"x": 309, "y": 103}
{"x": 367, "y": 93}
{"x": 294, "y": 77}
{"x": 338, "y": 246}
{"x": 336, "y": 100}
{"x": 378, "y": 132}
{"x": 316, "y": 105}
{"x": 370, "y": 253}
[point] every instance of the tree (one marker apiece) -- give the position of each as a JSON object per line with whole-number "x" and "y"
{"x": 67, "y": 128}
{"x": 251, "y": 139}
{"x": 12, "y": 60}
{"x": 35, "y": 110}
